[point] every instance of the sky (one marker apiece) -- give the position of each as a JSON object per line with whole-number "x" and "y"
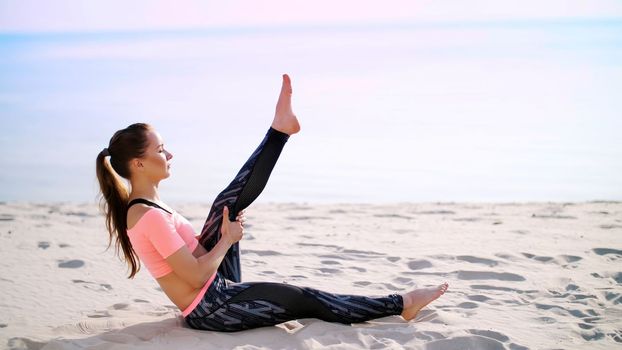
{"x": 399, "y": 100}
{"x": 19, "y": 16}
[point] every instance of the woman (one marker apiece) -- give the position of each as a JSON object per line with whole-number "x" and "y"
{"x": 201, "y": 275}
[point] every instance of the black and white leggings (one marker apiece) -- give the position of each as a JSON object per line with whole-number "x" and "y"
{"x": 230, "y": 305}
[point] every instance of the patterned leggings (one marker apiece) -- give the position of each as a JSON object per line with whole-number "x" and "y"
{"x": 230, "y": 305}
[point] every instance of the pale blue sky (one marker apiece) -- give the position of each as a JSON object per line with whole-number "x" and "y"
{"x": 119, "y": 15}
{"x": 408, "y": 101}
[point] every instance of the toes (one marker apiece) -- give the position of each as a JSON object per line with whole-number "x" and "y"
{"x": 287, "y": 84}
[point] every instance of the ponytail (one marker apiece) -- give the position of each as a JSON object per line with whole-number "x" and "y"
{"x": 111, "y": 165}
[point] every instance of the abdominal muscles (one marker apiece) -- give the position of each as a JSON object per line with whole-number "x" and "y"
{"x": 180, "y": 292}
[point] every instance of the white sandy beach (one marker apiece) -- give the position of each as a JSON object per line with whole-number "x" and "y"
{"x": 521, "y": 276}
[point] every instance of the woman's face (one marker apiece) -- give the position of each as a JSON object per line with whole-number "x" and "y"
{"x": 155, "y": 162}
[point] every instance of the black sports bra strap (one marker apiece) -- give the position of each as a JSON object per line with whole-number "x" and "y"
{"x": 144, "y": 201}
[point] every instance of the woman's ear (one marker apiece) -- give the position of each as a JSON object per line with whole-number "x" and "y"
{"x": 136, "y": 163}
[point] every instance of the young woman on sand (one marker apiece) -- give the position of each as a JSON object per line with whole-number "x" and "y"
{"x": 201, "y": 274}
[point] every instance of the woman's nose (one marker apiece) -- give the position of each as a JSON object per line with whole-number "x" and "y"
{"x": 170, "y": 155}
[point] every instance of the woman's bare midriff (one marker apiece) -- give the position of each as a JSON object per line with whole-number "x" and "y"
{"x": 178, "y": 290}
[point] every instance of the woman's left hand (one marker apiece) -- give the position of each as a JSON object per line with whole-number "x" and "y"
{"x": 241, "y": 218}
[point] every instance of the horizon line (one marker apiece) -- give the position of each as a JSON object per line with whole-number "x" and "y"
{"x": 318, "y": 27}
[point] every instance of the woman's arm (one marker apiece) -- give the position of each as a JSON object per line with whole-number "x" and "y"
{"x": 199, "y": 250}
{"x": 198, "y": 269}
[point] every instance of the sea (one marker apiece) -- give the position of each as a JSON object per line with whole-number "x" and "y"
{"x": 496, "y": 111}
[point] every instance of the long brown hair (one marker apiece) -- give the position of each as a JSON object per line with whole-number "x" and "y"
{"x": 125, "y": 145}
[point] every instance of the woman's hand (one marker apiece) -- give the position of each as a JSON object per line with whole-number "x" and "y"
{"x": 232, "y": 231}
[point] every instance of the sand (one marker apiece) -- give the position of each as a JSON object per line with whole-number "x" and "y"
{"x": 521, "y": 275}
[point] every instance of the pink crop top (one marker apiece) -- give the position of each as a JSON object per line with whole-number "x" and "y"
{"x": 156, "y": 236}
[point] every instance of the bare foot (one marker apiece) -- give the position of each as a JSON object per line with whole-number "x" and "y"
{"x": 284, "y": 118}
{"x": 415, "y": 300}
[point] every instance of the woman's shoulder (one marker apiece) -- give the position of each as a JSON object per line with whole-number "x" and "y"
{"x": 135, "y": 213}
{"x": 138, "y": 209}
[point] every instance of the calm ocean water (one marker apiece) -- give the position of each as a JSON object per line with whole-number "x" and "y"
{"x": 499, "y": 111}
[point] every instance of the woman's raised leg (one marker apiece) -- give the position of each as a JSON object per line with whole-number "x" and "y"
{"x": 250, "y": 181}
{"x": 241, "y": 192}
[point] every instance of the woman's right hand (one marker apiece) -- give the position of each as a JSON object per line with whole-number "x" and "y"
{"x": 231, "y": 231}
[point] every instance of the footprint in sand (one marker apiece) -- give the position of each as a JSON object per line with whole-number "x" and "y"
{"x": 390, "y": 286}
{"x": 330, "y": 262}
{"x": 403, "y": 280}
{"x": 6, "y": 217}
{"x": 393, "y": 216}
{"x": 488, "y": 275}
{"x": 552, "y": 216}
{"x": 478, "y": 297}
{"x": 261, "y": 252}
{"x": 593, "y": 335}
{"x": 479, "y": 339}
{"x": 613, "y": 297}
{"x": 610, "y": 226}
{"x": 99, "y": 314}
{"x": 607, "y": 251}
{"x": 24, "y": 343}
{"x": 319, "y": 245}
{"x": 490, "y": 334}
{"x": 120, "y": 306}
{"x": 617, "y": 276}
{"x": 335, "y": 256}
{"x": 419, "y": 264}
{"x": 428, "y": 335}
{"x": 587, "y": 317}
{"x": 405, "y": 230}
{"x": 101, "y": 287}
{"x": 43, "y": 244}
{"x": 437, "y": 212}
{"x": 359, "y": 269}
{"x": 305, "y": 218}
{"x": 585, "y": 325}
{"x": 467, "y": 305}
{"x": 477, "y": 260}
{"x": 572, "y": 292}
{"x": 71, "y": 264}
{"x": 570, "y": 258}
{"x": 537, "y": 257}
{"x": 467, "y": 219}
{"x": 79, "y": 213}
{"x": 387, "y": 286}
{"x": 362, "y": 253}
{"x": 298, "y": 277}
{"x": 470, "y": 342}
